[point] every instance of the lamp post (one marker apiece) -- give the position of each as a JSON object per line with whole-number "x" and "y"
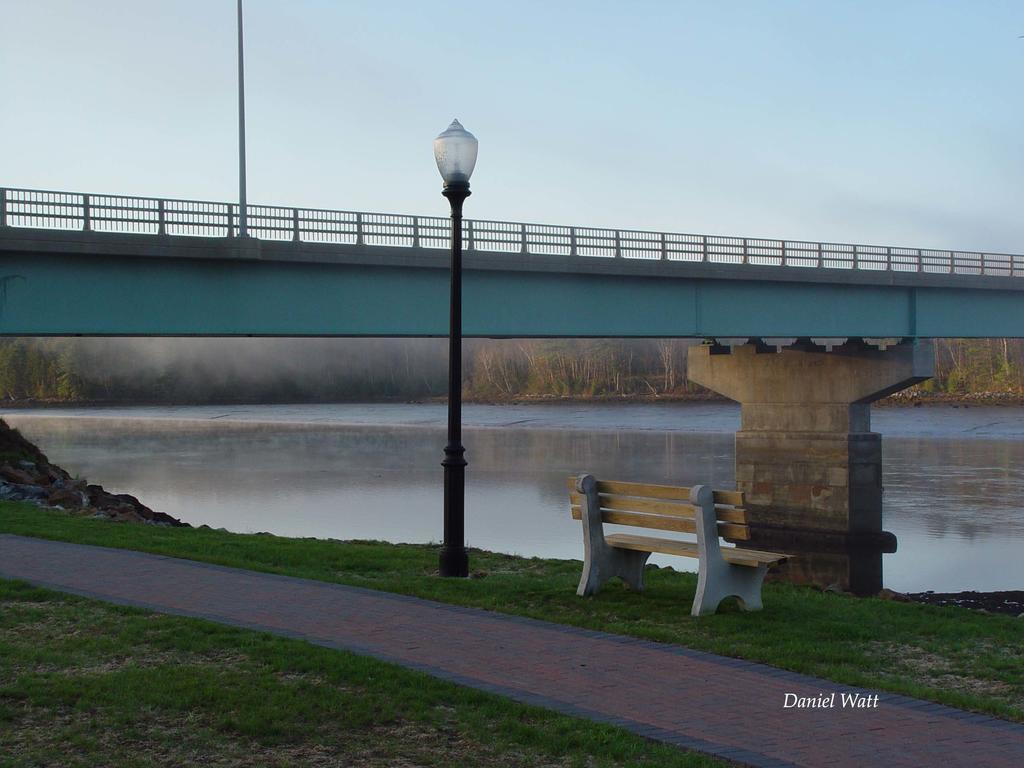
{"x": 455, "y": 153}
{"x": 243, "y": 206}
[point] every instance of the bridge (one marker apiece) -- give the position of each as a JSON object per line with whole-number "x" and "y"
{"x": 150, "y": 266}
{"x": 840, "y": 323}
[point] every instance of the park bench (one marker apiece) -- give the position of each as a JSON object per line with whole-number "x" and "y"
{"x": 722, "y": 571}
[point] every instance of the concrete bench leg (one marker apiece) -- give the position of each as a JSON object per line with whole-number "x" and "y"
{"x": 739, "y": 581}
{"x": 717, "y": 578}
{"x": 627, "y": 564}
{"x": 600, "y": 561}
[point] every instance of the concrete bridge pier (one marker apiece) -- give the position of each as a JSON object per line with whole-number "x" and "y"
{"x": 805, "y": 453}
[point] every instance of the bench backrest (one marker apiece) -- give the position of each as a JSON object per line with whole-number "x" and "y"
{"x": 664, "y": 507}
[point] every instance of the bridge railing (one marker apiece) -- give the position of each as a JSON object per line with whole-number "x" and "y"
{"x": 43, "y": 209}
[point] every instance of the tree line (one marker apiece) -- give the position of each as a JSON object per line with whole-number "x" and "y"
{"x": 325, "y": 370}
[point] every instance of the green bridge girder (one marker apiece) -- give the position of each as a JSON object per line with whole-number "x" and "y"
{"x": 90, "y": 283}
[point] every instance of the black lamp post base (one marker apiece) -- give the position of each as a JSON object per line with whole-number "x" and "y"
{"x": 454, "y": 561}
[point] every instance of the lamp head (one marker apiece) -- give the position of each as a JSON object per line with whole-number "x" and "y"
{"x": 455, "y": 153}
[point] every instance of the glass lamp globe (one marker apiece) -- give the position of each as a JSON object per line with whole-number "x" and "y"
{"x": 455, "y": 153}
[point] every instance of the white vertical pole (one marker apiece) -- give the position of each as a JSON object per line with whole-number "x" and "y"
{"x": 243, "y": 229}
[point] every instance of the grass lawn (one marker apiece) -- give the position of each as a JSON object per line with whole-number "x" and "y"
{"x": 84, "y": 683}
{"x": 949, "y": 655}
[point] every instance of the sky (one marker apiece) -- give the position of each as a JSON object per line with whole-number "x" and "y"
{"x": 896, "y": 122}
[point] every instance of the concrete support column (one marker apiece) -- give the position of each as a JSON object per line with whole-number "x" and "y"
{"x": 806, "y": 457}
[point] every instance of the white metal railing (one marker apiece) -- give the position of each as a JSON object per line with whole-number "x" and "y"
{"x": 41, "y": 209}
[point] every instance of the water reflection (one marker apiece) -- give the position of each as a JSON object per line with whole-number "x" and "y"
{"x": 964, "y": 488}
{"x": 952, "y": 503}
{"x": 851, "y": 563}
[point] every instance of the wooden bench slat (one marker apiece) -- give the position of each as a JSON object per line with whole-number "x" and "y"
{"x": 731, "y": 514}
{"x": 652, "y": 544}
{"x": 652, "y": 506}
{"x": 673, "y": 508}
{"x": 662, "y": 522}
{"x": 733, "y": 498}
{"x": 738, "y": 554}
{"x": 734, "y": 555}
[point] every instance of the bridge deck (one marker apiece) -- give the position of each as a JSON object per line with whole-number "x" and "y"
{"x": 110, "y": 265}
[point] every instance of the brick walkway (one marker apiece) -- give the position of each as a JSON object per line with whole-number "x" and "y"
{"x": 692, "y": 699}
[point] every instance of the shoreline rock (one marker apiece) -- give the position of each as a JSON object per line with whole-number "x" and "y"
{"x": 27, "y": 475}
{"x": 1007, "y": 602}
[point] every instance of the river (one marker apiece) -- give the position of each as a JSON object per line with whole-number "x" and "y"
{"x": 953, "y": 477}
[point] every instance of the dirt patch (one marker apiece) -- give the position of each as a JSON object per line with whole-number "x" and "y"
{"x": 171, "y": 742}
{"x": 950, "y": 673}
{"x": 405, "y": 745}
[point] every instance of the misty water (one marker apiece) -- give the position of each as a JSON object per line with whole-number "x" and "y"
{"x": 953, "y": 476}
